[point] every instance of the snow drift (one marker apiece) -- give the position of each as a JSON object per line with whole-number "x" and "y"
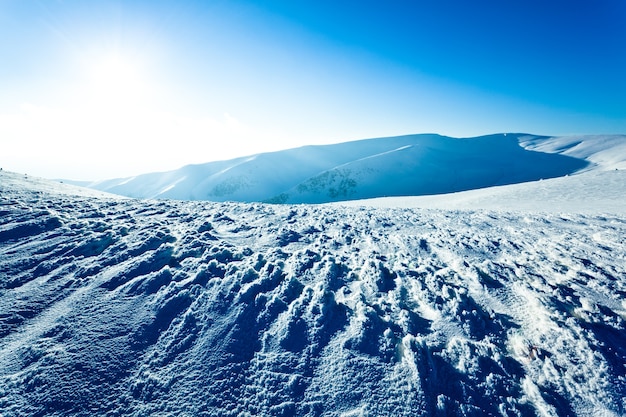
{"x": 397, "y": 166}
{"x": 113, "y": 306}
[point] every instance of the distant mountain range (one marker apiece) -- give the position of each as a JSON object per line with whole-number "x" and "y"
{"x": 411, "y": 165}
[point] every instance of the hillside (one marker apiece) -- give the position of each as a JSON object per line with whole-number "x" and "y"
{"x": 397, "y": 166}
{"x": 588, "y": 192}
{"x": 112, "y": 306}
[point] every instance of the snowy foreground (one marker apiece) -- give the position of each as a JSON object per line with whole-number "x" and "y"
{"x": 112, "y": 306}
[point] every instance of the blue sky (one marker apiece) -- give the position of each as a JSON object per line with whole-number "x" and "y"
{"x": 97, "y": 89}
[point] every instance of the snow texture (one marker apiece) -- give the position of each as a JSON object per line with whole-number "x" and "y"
{"x": 113, "y": 306}
{"x": 397, "y": 166}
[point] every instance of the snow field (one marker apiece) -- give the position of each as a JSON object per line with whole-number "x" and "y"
{"x": 115, "y": 306}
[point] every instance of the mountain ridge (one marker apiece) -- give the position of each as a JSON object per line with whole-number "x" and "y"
{"x": 395, "y": 166}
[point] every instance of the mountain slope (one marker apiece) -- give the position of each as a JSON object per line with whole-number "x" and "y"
{"x": 404, "y": 165}
{"x": 589, "y": 192}
{"x": 604, "y": 152}
{"x": 252, "y": 178}
{"x": 600, "y": 187}
{"x": 437, "y": 166}
{"x": 114, "y": 306}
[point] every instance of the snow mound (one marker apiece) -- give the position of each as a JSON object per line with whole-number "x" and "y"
{"x": 591, "y": 192}
{"x": 396, "y": 166}
{"x": 132, "y": 307}
{"x": 17, "y": 182}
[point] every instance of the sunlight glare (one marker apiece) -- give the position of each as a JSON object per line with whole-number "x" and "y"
{"x": 115, "y": 82}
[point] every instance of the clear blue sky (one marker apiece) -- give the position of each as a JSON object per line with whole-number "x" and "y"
{"x": 97, "y": 89}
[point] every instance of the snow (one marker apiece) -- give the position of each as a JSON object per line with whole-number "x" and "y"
{"x": 595, "y": 191}
{"x": 117, "y": 306}
{"x": 397, "y": 166}
{"x": 606, "y": 152}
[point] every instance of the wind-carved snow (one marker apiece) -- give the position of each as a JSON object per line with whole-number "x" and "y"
{"x": 113, "y": 306}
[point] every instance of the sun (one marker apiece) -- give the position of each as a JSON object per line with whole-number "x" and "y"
{"x": 116, "y": 80}
{"x": 114, "y": 71}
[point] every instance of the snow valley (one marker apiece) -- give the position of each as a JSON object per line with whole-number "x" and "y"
{"x": 118, "y": 306}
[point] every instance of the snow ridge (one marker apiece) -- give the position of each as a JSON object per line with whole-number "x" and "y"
{"x": 395, "y": 166}
{"x": 113, "y": 306}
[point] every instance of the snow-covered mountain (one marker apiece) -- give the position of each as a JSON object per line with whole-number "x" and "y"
{"x": 397, "y": 166}
{"x": 115, "y": 306}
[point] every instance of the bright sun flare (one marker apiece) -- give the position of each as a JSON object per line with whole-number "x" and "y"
{"x": 115, "y": 80}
